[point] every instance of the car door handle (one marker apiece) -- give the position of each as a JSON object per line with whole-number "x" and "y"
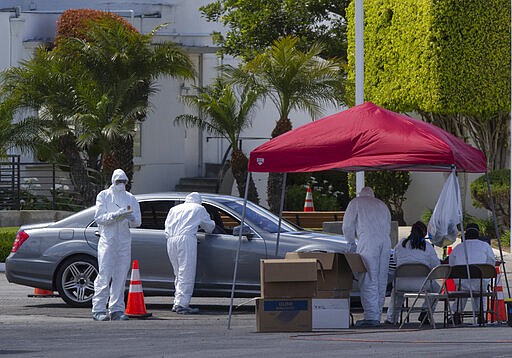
{"x": 97, "y": 233}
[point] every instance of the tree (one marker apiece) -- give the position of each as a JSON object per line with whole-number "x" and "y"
{"x": 447, "y": 60}
{"x": 253, "y": 25}
{"x": 40, "y": 91}
{"x": 86, "y": 95}
{"x": 124, "y": 66}
{"x": 225, "y": 110}
{"x": 389, "y": 186}
{"x": 292, "y": 80}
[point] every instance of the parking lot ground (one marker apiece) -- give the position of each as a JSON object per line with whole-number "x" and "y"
{"x": 46, "y": 327}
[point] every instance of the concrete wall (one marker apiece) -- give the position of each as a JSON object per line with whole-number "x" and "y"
{"x": 25, "y": 217}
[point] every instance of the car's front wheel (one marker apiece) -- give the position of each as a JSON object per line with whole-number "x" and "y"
{"x": 75, "y": 280}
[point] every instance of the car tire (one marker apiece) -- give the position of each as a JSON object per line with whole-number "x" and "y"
{"x": 75, "y": 280}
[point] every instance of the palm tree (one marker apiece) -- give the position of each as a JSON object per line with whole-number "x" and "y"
{"x": 86, "y": 97}
{"x": 227, "y": 111}
{"x": 123, "y": 65}
{"x": 40, "y": 90}
{"x": 292, "y": 80}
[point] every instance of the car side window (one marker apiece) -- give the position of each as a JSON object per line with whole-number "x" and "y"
{"x": 154, "y": 213}
{"x": 224, "y": 222}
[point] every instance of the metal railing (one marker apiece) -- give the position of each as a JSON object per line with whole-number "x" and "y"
{"x": 40, "y": 186}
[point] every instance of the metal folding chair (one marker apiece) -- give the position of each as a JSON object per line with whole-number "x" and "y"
{"x": 476, "y": 271}
{"x": 426, "y": 292}
{"x": 402, "y": 283}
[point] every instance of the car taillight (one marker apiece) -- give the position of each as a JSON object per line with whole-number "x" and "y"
{"x": 21, "y": 236}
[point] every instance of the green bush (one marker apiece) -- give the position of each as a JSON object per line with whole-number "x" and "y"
{"x": 389, "y": 186}
{"x": 505, "y": 240}
{"x": 296, "y": 195}
{"x": 329, "y": 189}
{"x": 7, "y": 236}
{"x": 499, "y": 181}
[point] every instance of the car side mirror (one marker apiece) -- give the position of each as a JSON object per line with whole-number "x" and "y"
{"x": 246, "y": 231}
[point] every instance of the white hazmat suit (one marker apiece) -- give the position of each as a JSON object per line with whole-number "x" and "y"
{"x": 408, "y": 255}
{"x": 181, "y": 226}
{"x": 368, "y": 219}
{"x": 116, "y": 211}
{"x": 479, "y": 252}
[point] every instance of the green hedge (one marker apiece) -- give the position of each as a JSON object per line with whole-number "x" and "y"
{"x": 7, "y": 236}
{"x": 443, "y": 56}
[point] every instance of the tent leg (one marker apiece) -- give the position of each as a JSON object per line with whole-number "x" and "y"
{"x": 457, "y": 190}
{"x": 281, "y": 206}
{"x": 238, "y": 249}
{"x": 491, "y": 203}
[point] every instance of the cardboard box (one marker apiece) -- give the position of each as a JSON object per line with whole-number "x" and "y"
{"x": 282, "y": 278}
{"x": 283, "y": 315}
{"x": 333, "y": 294}
{"x": 330, "y": 313}
{"x": 336, "y": 269}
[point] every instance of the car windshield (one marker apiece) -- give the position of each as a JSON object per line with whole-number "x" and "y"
{"x": 260, "y": 216}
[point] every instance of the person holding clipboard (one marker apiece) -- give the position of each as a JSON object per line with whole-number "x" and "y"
{"x": 116, "y": 211}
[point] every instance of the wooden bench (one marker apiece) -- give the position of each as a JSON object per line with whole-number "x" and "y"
{"x": 312, "y": 219}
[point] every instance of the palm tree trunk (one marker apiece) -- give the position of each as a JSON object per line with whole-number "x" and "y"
{"x": 123, "y": 151}
{"x": 78, "y": 170}
{"x": 239, "y": 162}
{"x": 275, "y": 180}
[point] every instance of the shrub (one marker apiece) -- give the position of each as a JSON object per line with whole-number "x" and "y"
{"x": 499, "y": 181}
{"x": 7, "y": 236}
{"x": 389, "y": 186}
{"x": 330, "y": 191}
{"x": 296, "y": 194}
{"x": 75, "y": 22}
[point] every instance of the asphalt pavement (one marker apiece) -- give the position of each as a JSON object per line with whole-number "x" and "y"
{"x": 46, "y": 327}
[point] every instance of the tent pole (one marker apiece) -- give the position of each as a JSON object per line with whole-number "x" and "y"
{"x": 281, "y": 206}
{"x": 457, "y": 190}
{"x": 491, "y": 203}
{"x": 238, "y": 249}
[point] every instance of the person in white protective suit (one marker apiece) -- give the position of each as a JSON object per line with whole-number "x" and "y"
{"x": 412, "y": 250}
{"x": 181, "y": 226}
{"x": 368, "y": 219}
{"x": 479, "y": 252}
{"x": 116, "y": 211}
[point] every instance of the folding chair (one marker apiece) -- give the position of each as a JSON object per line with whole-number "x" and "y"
{"x": 476, "y": 271}
{"x": 405, "y": 281}
{"x": 426, "y": 292}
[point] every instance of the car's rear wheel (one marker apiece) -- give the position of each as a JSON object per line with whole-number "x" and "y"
{"x": 75, "y": 280}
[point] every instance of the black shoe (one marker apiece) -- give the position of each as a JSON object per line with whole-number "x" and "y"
{"x": 457, "y": 319}
{"x": 423, "y": 317}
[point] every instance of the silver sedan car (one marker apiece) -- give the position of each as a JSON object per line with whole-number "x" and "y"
{"x": 62, "y": 256}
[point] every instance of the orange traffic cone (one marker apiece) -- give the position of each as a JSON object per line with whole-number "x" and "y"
{"x": 499, "y": 313}
{"x": 39, "y": 292}
{"x": 308, "y": 203}
{"x": 136, "y": 307}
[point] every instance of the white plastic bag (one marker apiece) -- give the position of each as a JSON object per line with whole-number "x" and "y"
{"x": 442, "y": 227}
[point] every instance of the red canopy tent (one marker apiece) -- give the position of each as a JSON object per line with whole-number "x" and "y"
{"x": 366, "y": 137}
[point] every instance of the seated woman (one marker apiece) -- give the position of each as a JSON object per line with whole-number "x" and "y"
{"x": 412, "y": 250}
